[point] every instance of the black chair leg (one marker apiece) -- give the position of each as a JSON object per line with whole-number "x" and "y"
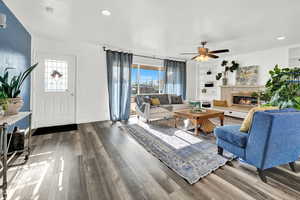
{"x": 220, "y": 151}
{"x": 292, "y": 166}
{"x": 262, "y": 175}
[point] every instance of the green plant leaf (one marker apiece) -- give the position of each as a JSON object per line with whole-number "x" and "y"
{"x": 12, "y": 88}
{"x": 25, "y": 74}
{"x": 281, "y": 88}
{"x": 224, "y": 63}
{"x": 16, "y": 93}
{"x": 284, "y": 78}
{"x": 219, "y": 76}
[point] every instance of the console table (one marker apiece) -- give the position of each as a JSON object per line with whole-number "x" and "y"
{"x": 5, "y": 123}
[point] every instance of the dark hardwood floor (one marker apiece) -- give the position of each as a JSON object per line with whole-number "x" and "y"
{"x": 100, "y": 161}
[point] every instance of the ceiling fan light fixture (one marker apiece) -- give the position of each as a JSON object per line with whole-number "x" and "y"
{"x": 204, "y": 54}
{"x": 202, "y": 58}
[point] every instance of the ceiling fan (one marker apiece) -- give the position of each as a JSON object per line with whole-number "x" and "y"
{"x": 204, "y": 54}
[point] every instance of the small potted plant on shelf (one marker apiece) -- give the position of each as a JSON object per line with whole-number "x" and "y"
{"x": 11, "y": 89}
{"x": 232, "y": 67}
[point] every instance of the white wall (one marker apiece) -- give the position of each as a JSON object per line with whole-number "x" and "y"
{"x": 147, "y": 61}
{"x": 266, "y": 60}
{"x": 92, "y": 93}
{"x": 294, "y": 57}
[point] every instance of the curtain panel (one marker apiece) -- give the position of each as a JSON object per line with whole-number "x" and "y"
{"x": 175, "y": 77}
{"x": 119, "y": 84}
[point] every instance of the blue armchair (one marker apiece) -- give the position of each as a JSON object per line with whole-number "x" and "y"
{"x": 274, "y": 139}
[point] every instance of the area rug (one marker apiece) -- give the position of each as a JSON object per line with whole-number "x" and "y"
{"x": 190, "y": 157}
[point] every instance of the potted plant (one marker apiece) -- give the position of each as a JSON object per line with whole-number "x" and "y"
{"x": 11, "y": 88}
{"x": 232, "y": 67}
{"x": 282, "y": 89}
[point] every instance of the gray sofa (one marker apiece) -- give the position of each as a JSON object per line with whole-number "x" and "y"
{"x": 145, "y": 110}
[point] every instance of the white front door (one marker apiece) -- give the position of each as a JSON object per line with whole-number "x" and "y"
{"x": 54, "y": 90}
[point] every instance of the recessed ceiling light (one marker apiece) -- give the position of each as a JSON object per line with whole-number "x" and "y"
{"x": 280, "y": 38}
{"x": 106, "y": 12}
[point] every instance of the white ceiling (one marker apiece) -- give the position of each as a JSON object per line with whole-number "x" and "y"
{"x": 165, "y": 27}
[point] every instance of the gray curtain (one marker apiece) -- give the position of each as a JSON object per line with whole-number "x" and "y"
{"x": 175, "y": 78}
{"x": 119, "y": 84}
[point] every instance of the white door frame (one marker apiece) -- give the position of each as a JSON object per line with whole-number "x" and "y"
{"x": 35, "y": 57}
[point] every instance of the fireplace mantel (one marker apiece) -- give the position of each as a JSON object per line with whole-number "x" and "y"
{"x": 242, "y": 86}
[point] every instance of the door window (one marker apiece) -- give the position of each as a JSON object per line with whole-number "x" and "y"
{"x": 56, "y": 75}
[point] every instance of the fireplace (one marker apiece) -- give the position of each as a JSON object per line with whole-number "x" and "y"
{"x": 240, "y": 96}
{"x": 244, "y": 99}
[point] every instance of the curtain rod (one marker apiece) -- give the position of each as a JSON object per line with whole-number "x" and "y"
{"x": 151, "y": 57}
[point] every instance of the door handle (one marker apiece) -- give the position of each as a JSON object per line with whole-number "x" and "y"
{"x": 71, "y": 93}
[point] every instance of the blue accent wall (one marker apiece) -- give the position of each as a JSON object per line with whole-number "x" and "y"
{"x": 15, "y": 51}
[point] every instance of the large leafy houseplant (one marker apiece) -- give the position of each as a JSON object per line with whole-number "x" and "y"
{"x": 11, "y": 88}
{"x": 283, "y": 88}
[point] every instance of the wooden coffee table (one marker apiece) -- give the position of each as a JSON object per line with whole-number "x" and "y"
{"x": 201, "y": 119}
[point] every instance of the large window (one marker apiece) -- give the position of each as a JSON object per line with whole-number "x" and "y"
{"x": 147, "y": 79}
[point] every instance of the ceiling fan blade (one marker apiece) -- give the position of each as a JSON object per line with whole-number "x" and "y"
{"x": 220, "y": 51}
{"x": 213, "y": 56}
{"x": 188, "y": 53}
{"x": 193, "y": 58}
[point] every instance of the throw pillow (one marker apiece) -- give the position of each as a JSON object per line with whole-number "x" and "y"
{"x": 248, "y": 120}
{"x": 222, "y": 103}
{"x": 163, "y": 99}
{"x": 155, "y": 101}
{"x": 176, "y": 100}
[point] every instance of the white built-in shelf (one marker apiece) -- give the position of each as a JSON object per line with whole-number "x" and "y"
{"x": 203, "y": 78}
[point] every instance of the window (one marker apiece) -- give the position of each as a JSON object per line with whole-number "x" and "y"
{"x": 134, "y": 81}
{"x": 147, "y": 79}
{"x": 56, "y": 76}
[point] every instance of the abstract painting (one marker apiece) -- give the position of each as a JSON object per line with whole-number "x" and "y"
{"x": 247, "y": 75}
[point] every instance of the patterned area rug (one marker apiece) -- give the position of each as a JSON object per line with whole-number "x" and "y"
{"x": 190, "y": 157}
